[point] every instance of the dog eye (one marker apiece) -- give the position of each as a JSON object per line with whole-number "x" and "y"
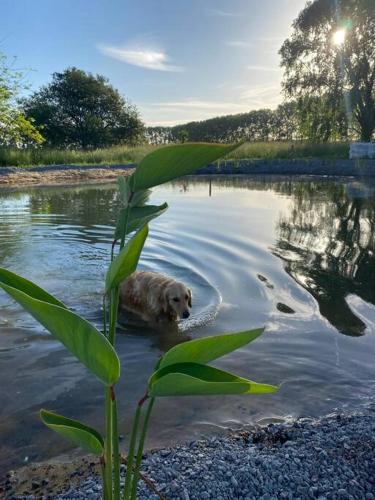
{"x": 176, "y": 299}
{"x": 186, "y": 297}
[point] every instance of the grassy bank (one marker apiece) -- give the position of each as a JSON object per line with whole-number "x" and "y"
{"x": 10, "y": 157}
{"x": 125, "y": 154}
{"x": 291, "y": 150}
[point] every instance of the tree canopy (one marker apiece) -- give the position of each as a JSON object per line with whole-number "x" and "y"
{"x": 15, "y": 128}
{"x": 78, "y": 109}
{"x": 331, "y": 55}
{"x": 256, "y": 125}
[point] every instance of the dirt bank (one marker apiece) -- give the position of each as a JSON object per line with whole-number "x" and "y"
{"x": 66, "y": 174}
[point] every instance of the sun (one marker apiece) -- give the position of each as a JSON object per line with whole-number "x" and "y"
{"x": 338, "y": 37}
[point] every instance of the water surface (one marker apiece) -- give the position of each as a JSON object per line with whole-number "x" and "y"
{"x": 294, "y": 255}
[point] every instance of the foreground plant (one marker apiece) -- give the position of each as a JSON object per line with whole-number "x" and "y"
{"x": 182, "y": 371}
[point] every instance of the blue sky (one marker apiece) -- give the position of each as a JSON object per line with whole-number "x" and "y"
{"x": 176, "y": 60}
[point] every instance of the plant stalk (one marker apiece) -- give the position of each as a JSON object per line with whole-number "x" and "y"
{"x": 108, "y": 445}
{"x": 140, "y": 449}
{"x": 129, "y": 465}
{"x": 115, "y": 448}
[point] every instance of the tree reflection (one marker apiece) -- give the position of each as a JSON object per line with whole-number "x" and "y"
{"x": 327, "y": 244}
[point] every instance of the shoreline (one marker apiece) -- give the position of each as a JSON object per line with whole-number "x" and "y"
{"x": 331, "y": 457}
{"x": 13, "y": 177}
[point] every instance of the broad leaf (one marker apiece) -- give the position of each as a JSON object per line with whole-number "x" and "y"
{"x": 207, "y": 349}
{"x": 126, "y": 261}
{"x": 78, "y": 335}
{"x": 138, "y": 217}
{"x": 192, "y": 379}
{"x": 82, "y": 435}
{"x": 28, "y": 287}
{"x": 170, "y": 162}
{"x": 124, "y": 189}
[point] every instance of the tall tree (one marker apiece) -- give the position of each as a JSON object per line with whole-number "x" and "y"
{"x": 78, "y": 109}
{"x": 15, "y": 129}
{"x": 331, "y": 55}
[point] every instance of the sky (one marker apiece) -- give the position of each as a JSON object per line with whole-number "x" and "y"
{"x": 176, "y": 60}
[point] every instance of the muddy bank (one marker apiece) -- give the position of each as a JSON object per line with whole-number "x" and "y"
{"x": 13, "y": 177}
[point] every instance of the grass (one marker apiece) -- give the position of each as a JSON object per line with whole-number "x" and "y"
{"x": 11, "y": 157}
{"x": 291, "y": 150}
{"x": 126, "y": 154}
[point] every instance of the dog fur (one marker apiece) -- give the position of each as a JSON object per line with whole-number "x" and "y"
{"x": 155, "y": 297}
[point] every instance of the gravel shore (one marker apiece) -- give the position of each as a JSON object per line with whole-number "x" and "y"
{"x": 328, "y": 458}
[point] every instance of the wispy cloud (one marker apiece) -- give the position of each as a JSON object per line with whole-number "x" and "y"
{"x": 239, "y": 43}
{"x": 264, "y": 68}
{"x": 222, "y": 13}
{"x": 169, "y": 113}
{"x": 142, "y": 57}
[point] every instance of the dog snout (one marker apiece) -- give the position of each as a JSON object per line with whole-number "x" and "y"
{"x": 185, "y": 314}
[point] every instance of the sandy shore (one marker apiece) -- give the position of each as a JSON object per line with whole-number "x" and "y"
{"x": 11, "y": 178}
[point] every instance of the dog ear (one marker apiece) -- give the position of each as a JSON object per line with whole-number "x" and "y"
{"x": 190, "y": 303}
{"x": 164, "y": 303}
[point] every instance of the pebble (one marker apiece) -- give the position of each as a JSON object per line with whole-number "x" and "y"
{"x": 332, "y": 458}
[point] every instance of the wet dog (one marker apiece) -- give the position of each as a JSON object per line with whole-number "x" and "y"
{"x": 155, "y": 297}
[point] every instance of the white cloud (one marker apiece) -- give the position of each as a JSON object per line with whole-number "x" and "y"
{"x": 168, "y": 113}
{"x": 142, "y": 57}
{"x": 222, "y": 13}
{"x": 263, "y": 68}
{"x": 239, "y": 43}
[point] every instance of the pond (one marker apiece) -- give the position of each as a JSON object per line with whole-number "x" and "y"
{"x": 294, "y": 255}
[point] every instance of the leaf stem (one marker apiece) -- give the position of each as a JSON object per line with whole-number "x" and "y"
{"x": 133, "y": 439}
{"x": 141, "y": 447}
{"x": 115, "y": 447}
{"x": 108, "y": 444}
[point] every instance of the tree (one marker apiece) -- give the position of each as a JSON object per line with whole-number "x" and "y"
{"x": 183, "y": 136}
{"x": 78, "y": 109}
{"x": 331, "y": 55}
{"x": 15, "y": 129}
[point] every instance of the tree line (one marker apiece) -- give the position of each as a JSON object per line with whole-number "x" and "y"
{"x": 329, "y": 88}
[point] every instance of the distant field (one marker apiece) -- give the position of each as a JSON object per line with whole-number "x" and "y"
{"x": 125, "y": 154}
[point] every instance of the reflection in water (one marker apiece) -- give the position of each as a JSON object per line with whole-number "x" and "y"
{"x": 230, "y": 239}
{"x": 327, "y": 243}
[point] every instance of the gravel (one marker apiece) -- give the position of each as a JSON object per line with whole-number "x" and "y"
{"x": 329, "y": 458}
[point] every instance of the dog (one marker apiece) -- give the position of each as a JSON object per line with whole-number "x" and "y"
{"x": 155, "y": 297}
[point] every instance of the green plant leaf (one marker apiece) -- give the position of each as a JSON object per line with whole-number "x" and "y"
{"x": 138, "y": 217}
{"x": 126, "y": 261}
{"x": 207, "y": 349}
{"x": 28, "y": 287}
{"x": 124, "y": 189}
{"x": 170, "y": 162}
{"x": 78, "y": 335}
{"x": 82, "y": 435}
{"x": 193, "y": 379}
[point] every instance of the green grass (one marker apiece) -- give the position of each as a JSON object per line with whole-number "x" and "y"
{"x": 10, "y": 157}
{"x": 291, "y": 150}
{"x": 125, "y": 154}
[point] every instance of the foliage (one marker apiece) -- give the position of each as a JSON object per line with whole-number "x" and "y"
{"x": 81, "y": 110}
{"x": 15, "y": 129}
{"x": 336, "y": 73}
{"x": 183, "y": 370}
{"x": 125, "y": 155}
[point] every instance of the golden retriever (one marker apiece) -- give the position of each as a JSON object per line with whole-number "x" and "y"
{"x": 155, "y": 297}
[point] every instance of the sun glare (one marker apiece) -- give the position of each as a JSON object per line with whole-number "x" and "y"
{"x": 338, "y": 37}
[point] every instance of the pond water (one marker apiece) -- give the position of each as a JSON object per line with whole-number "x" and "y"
{"x": 294, "y": 255}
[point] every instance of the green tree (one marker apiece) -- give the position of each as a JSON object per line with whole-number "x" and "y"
{"x": 331, "y": 55}
{"x": 15, "y": 129}
{"x": 78, "y": 109}
{"x": 183, "y": 135}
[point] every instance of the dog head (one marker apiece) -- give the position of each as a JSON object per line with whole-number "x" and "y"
{"x": 177, "y": 300}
